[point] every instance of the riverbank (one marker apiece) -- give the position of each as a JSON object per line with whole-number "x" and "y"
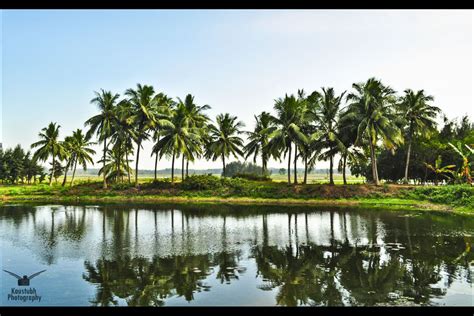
{"x": 202, "y": 189}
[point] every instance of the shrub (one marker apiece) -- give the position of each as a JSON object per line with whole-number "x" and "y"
{"x": 161, "y": 183}
{"x": 121, "y": 186}
{"x": 252, "y": 176}
{"x": 201, "y": 182}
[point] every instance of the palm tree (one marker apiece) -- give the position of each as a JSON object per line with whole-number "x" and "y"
{"x": 49, "y": 145}
{"x": 177, "y": 138}
{"x": 81, "y": 151}
{"x": 124, "y": 134}
{"x": 102, "y": 123}
{"x": 166, "y": 105}
{"x": 288, "y": 120}
{"x": 196, "y": 119}
{"x": 67, "y": 143}
{"x": 224, "y": 140}
{"x": 114, "y": 168}
{"x": 326, "y": 119}
{"x": 259, "y": 138}
{"x": 370, "y": 109}
{"x": 147, "y": 109}
{"x": 419, "y": 116}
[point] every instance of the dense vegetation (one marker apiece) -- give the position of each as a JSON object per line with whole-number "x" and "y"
{"x": 373, "y": 131}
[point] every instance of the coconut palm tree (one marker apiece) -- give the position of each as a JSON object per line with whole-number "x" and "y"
{"x": 290, "y": 114}
{"x": 166, "y": 105}
{"x": 259, "y": 138}
{"x": 124, "y": 134}
{"x": 195, "y": 119}
{"x": 326, "y": 119}
{"x": 49, "y": 145}
{"x": 419, "y": 117}
{"x": 148, "y": 112}
{"x": 114, "y": 167}
{"x": 102, "y": 123}
{"x": 67, "y": 143}
{"x": 371, "y": 110}
{"x": 80, "y": 151}
{"x": 142, "y": 102}
{"x": 177, "y": 138}
{"x": 224, "y": 140}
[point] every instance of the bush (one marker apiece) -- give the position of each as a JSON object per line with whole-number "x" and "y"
{"x": 161, "y": 183}
{"x": 458, "y": 195}
{"x": 201, "y": 182}
{"x": 121, "y": 186}
{"x": 252, "y": 176}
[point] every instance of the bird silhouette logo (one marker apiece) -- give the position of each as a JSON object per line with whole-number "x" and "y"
{"x": 25, "y": 280}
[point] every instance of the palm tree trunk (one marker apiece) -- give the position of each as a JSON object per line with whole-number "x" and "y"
{"x": 172, "y": 168}
{"x": 136, "y": 163}
{"x": 65, "y": 172}
{"x": 128, "y": 168}
{"x": 344, "y": 161}
{"x": 305, "y": 169}
{"x": 105, "y": 149}
{"x": 223, "y": 166}
{"x": 52, "y": 172}
{"x": 182, "y": 168}
{"x": 331, "y": 175}
{"x": 408, "y": 162}
{"x": 118, "y": 165}
{"x": 289, "y": 164}
{"x": 74, "y": 172}
{"x": 296, "y": 157}
{"x": 187, "y": 168}
{"x": 374, "y": 164}
{"x": 156, "y": 163}
{"x": 263, "y": 165}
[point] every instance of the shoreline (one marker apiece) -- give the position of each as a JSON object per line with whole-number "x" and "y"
{"x": 373, "y": 203}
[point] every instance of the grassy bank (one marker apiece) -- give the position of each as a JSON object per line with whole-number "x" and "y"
{"x": 205, "y": 189}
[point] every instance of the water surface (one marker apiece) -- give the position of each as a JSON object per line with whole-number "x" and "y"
{"x": 235, "y": 255}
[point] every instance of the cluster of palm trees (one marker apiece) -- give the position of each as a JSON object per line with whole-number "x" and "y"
{"x": 73, "y": 150}
{"x": 304, "y": 127}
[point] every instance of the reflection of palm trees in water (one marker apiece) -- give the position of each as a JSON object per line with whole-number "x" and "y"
{"x": 148, "y": 282}
{"x": 348, "y": 273}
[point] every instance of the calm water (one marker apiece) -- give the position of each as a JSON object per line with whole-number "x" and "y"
{"x": 203, "y": 255}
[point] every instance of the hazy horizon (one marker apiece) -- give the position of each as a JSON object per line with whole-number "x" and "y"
{"x": 237, "y": 61}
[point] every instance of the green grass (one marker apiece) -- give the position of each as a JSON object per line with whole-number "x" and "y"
{"x": 202, "y": 189}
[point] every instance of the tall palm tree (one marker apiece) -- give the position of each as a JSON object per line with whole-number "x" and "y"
{"x": 142, "y": 102}
{"x": 102, "y": 123}
{"x": 371, "y": 110}
{"x": 259, "y": 138}
{"x": 196, "y": 119}
{"x": 326, "y": 119}
{"x": 81, "y": 151}
{"x": 419, "y": 117}
{"x": 69, "y": 157}
{"x": 166, "y": 105}
{"x": 288, "y": 120}
{"x": 224, "y": 140}
{"x": 124, "y": 135}
{"x": 177, "y": 138}
{"x": 147, "y": 115}
{"x": 49, "y": 145}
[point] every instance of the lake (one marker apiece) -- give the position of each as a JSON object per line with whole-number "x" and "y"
{"x": 211, "y": 255}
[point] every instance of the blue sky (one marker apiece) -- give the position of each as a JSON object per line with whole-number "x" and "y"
{"x": 236, "y": 61}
